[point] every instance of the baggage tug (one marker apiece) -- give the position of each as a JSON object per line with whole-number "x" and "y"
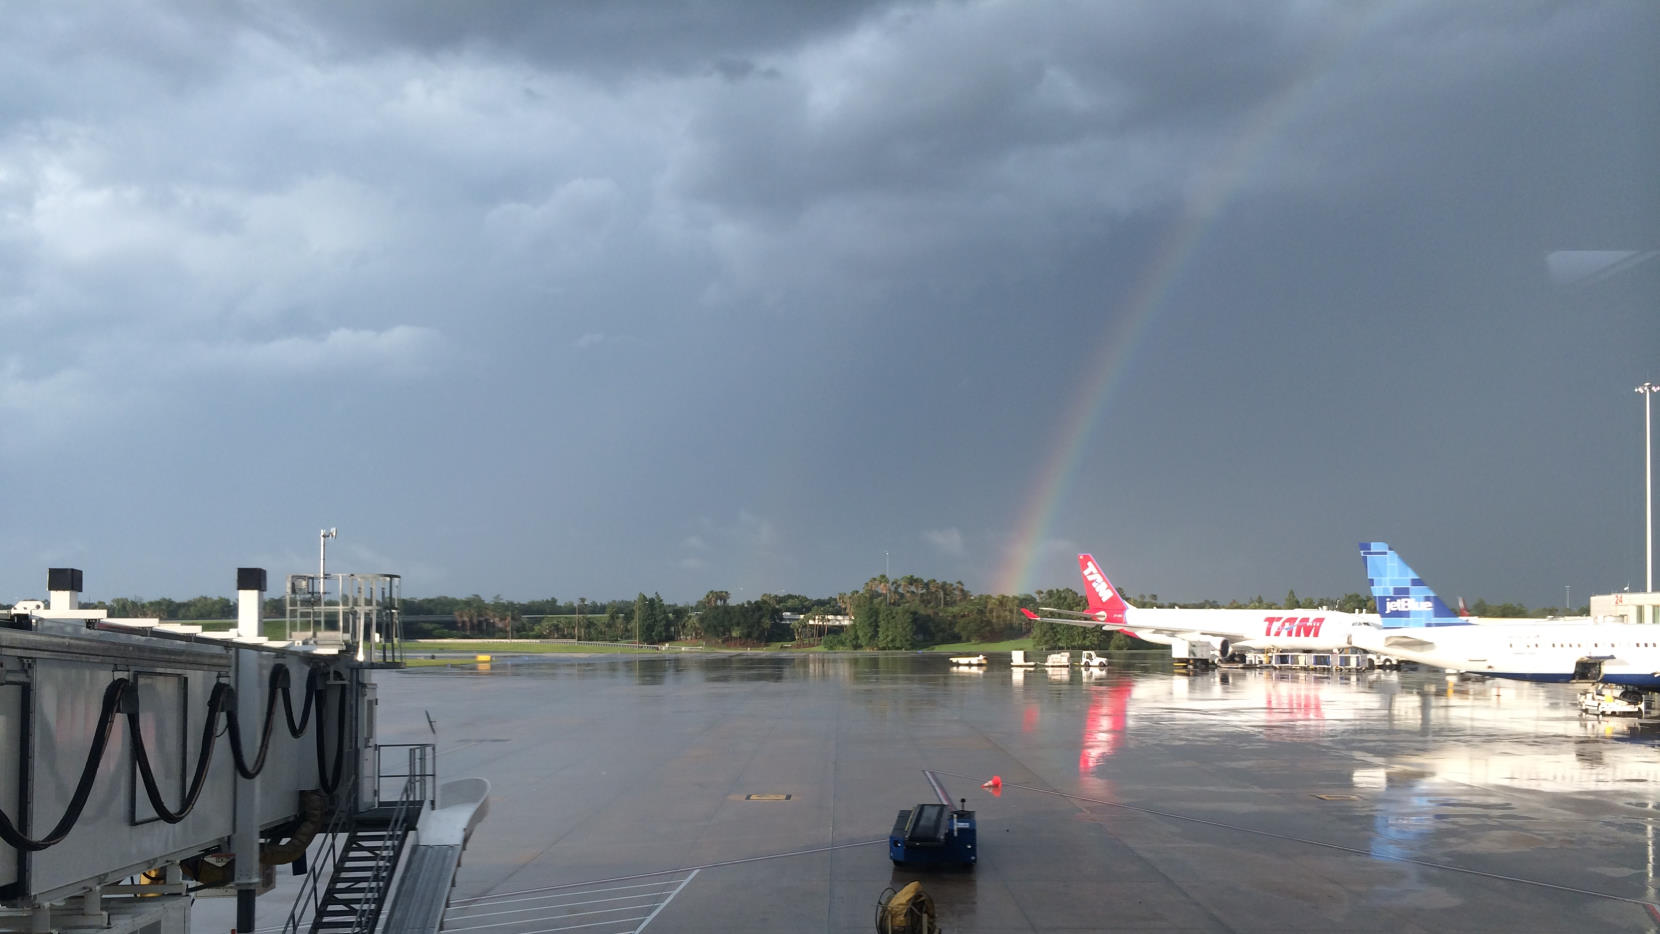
{"x": 935, "y": 834}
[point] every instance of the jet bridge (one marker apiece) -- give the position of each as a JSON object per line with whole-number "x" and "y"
{"x": 153, "y": 759}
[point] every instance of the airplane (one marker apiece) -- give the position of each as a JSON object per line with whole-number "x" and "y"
{"x": 1229, "y": 630}
{"x": 1522, "y": 649}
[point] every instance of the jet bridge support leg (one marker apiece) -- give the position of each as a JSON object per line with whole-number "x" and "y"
{"x": 250, "y": 593}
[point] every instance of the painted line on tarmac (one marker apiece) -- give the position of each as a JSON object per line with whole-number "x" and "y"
{"x": 669, "y": 872}
{"x": 665, "y": 903}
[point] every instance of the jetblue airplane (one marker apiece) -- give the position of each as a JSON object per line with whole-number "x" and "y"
{"x": 1526, "y": 649}
{"x": 1230, "y": 630}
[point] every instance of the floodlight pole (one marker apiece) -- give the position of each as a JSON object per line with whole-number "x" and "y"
{"x": 1648, "y": 390}
{"x": 322, "y": 564}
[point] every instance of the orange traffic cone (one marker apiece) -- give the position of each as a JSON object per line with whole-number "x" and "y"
{"x": 995, "y": 785}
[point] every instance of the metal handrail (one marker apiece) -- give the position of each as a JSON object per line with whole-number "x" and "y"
{"x": 311, "y": 891}
{"x": 380, "y": 876}
{"x": 419, "y": 790}
{"x": 423, "y": 772}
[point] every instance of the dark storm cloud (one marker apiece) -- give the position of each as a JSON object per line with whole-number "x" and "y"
{"x": 601, "y": 37}
{"x": 797, "y": 283}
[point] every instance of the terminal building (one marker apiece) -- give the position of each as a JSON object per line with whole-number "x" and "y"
{"x": 1626, "y": 607}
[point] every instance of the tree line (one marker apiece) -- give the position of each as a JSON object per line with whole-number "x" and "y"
{"x": 885, "y": 613}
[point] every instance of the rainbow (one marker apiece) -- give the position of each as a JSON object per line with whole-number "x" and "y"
{"x": 1109, "y": 364}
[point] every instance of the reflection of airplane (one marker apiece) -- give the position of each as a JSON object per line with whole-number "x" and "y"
{"x": 1530, "y": 650}
{"x": 1292, "y": 701}
{"x": 1104, "y": 725}
{"x": 1229, "y": 630}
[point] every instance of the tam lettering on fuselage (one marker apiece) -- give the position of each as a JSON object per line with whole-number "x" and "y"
{"x": 1406, "y": 605}
{"x": 1293, "y": 627}
{"x": 1098, "y": 581}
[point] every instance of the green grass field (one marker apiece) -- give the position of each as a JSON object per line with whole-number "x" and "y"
{"x": 971, "y": 648}
{"x": 518, "y": 647}
{"x": 274, "y": 630}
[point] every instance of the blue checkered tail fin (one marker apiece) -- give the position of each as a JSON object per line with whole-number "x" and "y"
{"x": 1402, "y": 596}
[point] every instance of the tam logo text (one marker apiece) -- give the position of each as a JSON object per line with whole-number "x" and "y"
{"x": 1098, "y": 582}
{"x": 1294, "y": 627}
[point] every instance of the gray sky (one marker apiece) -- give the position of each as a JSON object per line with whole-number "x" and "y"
{"x": 589, "y": 298}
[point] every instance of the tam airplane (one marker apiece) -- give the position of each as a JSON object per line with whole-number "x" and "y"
{"x": 1230, "y": 630}
{"x": 1578, "y": 649}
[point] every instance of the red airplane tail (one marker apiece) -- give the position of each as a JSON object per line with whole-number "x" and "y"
{"x": 1105, "y": 604}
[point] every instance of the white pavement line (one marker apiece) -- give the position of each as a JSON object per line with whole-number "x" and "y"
{"x": 573, "y": 914}
{"x": 481, "y": 903}
{"x": 575, "y": 885}
{"x": 669, "y": 872}
{"x": 653, "y": 915}
{"x": 572, "y": 885}
{"x": 592, "y": 901}
{"x": 593, "y": 924}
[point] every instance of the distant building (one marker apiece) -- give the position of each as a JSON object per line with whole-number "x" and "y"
{"x": 1626, "y": 607}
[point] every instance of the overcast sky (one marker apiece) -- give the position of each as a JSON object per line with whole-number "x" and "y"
{"x": 590, "y": 298}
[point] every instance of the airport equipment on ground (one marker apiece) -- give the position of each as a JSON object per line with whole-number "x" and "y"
{"x": 1018, "y": 659}
{"x": 968, "y": 659}
{"x": 135, "y": 710}
{"x": 934, "y": 834}
{"x": 1611, "y": 700}
{"x": 1092, "y": 659}
{"x": 907, "y": 911}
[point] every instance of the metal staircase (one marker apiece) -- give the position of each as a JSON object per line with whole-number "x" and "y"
{"x": 356, "y": 893}
{"x": 361, "y": 853}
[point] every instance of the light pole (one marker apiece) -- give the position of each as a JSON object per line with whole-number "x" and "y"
{"x": 887, "y": 575}
{"x": 322, "y": 562}
{"x": 1648, "y": 390}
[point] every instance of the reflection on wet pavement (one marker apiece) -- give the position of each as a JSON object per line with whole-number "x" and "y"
{"x": 1237, "y": 800}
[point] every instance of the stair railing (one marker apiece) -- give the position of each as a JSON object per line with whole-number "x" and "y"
{"x": 421, "y": 775}
{"x": 310, "y": 897}
{"x": 409, "y": 805}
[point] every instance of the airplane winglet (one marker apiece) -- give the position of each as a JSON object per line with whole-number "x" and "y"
{"x": 1029, "y": 614}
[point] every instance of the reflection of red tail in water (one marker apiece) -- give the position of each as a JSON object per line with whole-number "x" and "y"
{"x": 1294, "y": 702}
{"x": 1104, "y": 726}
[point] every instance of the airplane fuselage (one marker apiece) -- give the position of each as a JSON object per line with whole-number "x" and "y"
{"x": 1629, "y": 653}
{"x": 1288, "y": 630}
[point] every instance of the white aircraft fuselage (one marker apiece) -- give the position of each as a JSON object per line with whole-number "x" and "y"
{"x": 1284, "y": 630}
{"x": 1625, "y": 653}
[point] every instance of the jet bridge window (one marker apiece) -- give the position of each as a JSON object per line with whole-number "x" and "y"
{"x": 163, "y": 720}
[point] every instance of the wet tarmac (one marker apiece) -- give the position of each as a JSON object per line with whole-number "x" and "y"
{"x": 1227, "y": 801}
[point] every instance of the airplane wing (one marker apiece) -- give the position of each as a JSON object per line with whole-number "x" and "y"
{"x": 1080, "y": 614}
{"x": 1156, "y": 634}
{"x": 1408, "y": 642}
{"x": 1070, "y": 618}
